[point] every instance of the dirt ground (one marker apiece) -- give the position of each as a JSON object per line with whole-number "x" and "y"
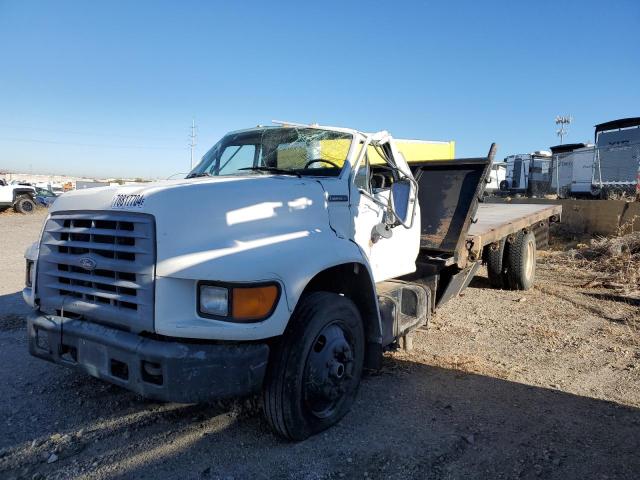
{"x": 536, "y": 384}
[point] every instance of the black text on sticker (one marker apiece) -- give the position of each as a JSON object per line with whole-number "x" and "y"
{"x": 126, "y": 201}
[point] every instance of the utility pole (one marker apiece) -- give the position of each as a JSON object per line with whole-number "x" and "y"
{"x": 192, "y": 138}
{"x": 563, "y": 121}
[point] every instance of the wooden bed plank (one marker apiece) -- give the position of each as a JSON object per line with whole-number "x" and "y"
{"x": 495, "y": 220}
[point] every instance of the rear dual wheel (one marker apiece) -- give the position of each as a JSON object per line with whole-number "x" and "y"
{"x": 315, "y": 369}
{"x": 494, "y": 258}
{"x": 521, "y": 261}
{"x": 512, "y": 265}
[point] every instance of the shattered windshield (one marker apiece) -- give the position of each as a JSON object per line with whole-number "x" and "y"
{"x": 285, "y": 151}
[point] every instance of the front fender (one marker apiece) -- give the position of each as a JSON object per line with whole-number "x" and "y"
{"x": 292, "y": 259}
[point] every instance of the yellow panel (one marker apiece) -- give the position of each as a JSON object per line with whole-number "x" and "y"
{"x": 421, "y": 151}
{"x": 297, "y": 156}
{"x": 336, "y": 150}
{"x": 418, "y": 151}
{"x": 292, "y": 157}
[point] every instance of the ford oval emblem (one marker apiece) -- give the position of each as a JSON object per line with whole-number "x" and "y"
{"x": 88, "y": 263}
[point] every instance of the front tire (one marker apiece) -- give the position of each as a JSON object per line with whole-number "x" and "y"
{"x": 25, "y": 205}
{"x": 315, "y": 368}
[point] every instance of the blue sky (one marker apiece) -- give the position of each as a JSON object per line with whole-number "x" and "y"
{"x": 110, "y": 88}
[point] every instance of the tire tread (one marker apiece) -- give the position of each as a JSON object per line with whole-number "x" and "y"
{"x": 495, "y": 265}
{"x": 516, "y": 261}
{"x": 275, "y": 382}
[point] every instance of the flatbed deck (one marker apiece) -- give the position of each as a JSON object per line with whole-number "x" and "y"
{"x": 497, "y": 220}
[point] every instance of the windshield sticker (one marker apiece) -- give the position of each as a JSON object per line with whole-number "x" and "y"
{"x": 127, "y": 201}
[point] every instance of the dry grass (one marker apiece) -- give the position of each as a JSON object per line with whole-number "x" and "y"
{"x": 611, "y": 262}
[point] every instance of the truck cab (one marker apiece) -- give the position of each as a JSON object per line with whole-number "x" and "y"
{"x": 183, "y": 290}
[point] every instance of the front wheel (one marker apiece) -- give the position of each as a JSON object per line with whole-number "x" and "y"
{"x": 25, "y": 204}
{"x": 315, "y": 369}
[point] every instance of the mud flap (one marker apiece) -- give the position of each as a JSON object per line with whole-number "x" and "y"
{"x": 457, "y": 283}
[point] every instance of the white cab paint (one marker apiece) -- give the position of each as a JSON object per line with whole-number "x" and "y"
{"x": 255, "y": 228}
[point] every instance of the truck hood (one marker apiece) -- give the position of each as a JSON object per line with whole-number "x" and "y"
{"x": 212, "y": 214}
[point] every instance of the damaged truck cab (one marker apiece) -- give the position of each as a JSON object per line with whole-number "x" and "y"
{"x": 283, "y": 264}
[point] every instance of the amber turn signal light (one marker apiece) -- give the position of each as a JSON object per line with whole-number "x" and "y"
{"x": 253, "y": 303}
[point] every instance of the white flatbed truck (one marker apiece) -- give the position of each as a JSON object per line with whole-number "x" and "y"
{"x": 283, "y": 265}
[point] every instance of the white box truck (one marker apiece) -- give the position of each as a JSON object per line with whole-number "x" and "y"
{"x": 283, "y": 265}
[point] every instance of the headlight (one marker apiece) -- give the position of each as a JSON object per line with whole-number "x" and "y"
{"x": 241, "y": 304}
{"x": 214, "y": 300}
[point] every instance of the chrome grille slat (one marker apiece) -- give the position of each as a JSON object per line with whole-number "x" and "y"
{"x": 93, "y": 292}
{"x": 100, "y": 266}
{"x": 94, "y": 279}
{"x": 100, "y": 231}
{"x": 97, "y": 216}
{"x": 112, "y": 247}
{"x": 72, "y": 260}
{"x": 104, "y": 313}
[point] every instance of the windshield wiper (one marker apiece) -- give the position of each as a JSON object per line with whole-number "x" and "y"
{"x": 262, "y": 168}
{"x": 196, "y": 175}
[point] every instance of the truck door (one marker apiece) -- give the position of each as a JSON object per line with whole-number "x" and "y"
{"x": 390, "y": 249}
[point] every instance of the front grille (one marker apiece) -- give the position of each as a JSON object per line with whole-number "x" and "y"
{"x": 99, "y": 266}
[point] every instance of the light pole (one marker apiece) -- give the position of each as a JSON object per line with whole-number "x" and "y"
{"x": 192, "y": 141}
{"x": 563, "y": 121}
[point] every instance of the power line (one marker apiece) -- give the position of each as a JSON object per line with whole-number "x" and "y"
{"x": 85, "y": 133}
{"x": 92, "y": 145}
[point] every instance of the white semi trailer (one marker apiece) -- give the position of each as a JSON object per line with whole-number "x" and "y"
{"x": 283, "y": 265}
{"x": 617, "y": 160}
{"x": 572, "y": 169}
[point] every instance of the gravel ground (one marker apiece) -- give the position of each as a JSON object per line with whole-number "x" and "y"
{"x": 537, "y": 384}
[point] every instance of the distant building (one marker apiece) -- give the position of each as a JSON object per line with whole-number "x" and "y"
{"x": 81, "y": 184}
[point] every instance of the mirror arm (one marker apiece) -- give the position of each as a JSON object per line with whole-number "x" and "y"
{"x": 389, "y": 206}
{"x": 373, "y": 199}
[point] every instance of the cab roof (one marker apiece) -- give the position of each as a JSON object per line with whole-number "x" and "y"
{"x": 280, "y": 124}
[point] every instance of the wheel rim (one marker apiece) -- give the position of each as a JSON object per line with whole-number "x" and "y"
{"x": 530, "y": 256}
{"x": 328, "y": 371}
{"x": 27, "y": 207}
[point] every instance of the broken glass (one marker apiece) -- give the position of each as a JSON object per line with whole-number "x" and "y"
{"x": 281, "y": 150}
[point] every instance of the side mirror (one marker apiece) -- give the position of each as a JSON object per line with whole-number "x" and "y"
{"x": 400, "y": 198}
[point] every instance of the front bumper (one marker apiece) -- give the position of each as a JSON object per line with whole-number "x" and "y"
{"x": 163, "y": 370}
